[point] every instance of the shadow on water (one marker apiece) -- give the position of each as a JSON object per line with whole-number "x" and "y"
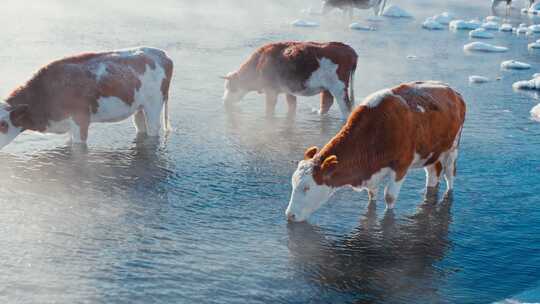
{"x": 379, "y": 261}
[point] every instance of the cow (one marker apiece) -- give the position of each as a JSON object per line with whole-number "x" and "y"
{"x": 296, "y": 69}
{"x": 69, "y": 94}
{"x": 348, "y": 6}
{"x": 413, "y": 125}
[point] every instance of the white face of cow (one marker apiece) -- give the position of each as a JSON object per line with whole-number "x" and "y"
{"x": 234, "y": 92}
{"x": 306, "y": 195}
{"x": 8, "y": 131}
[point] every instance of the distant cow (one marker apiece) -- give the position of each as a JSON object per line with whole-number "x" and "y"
{"x": 297, "y": 69}
{"x": 348, "y": 6}
{"x": 413, "y": 125}
{"x": 69, "y": 94}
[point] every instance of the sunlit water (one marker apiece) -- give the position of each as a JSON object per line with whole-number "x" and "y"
{"x": 198, "y": 217}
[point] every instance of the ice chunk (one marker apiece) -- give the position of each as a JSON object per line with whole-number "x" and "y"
{"x": 481, "y": 33}
{"x": 304, "y": 23}
{"x": 515, "y": 65}
{"x": 536, "y": 75}
{"x": 535, "y": 112}
{"x": 396, "y": 12}
{"x": 491, "y": 25}
{"x": 464, "y": 25}
{"x": 535, "y": 28}
{"x": 533, "y": 84}
{"x": 431, "y": 24}
{"x": 359, "y": 27}
{"x": 534, "y": 46}
{"x": 484, "y": 47}
{"x": 506, "y": 27}
{"x": 478, "y": 79}
{"x": 443, "y": 18}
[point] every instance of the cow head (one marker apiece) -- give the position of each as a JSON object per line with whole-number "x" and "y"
{"x": 11, "y": 121}
{"x": 234, "y": 89}
{"x": 308, "y": 195}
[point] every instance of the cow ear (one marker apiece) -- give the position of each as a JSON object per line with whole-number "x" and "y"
{"x": 310, "y": 152}
{"x": 18, "y": 114}
{"x": 329, "y": 165}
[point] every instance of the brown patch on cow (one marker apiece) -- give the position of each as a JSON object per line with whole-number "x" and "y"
{"x": 70, "y": 88}
{"x": 389, "y": 135}
{"x": 167, "y": 65}
{"x": 438, "y": 168}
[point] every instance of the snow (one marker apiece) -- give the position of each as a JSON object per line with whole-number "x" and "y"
{"x": 515, "y": 65}
{"x": 535, "y": 112}
{"x": 481, "y": 33}
{"x": 464, "y": 25}
{"x": 522, "y": 30}
{"x": 484, "y": 47}
{"x": 304, "y": 23}
{"x": 395, "y": 11}
{"x": 478, "y": 79}
{"x": 360, "y": 27}
{"x": 432, "y": 24}
{"x": 533, "y": 84}
{"x": 443, "y": 18}
{"x": 506, "y": 27}
{"x": 491, "y": 25}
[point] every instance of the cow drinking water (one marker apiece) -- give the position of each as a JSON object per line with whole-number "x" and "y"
{"x": 414, "y": 125}
{"x": 69, "y": 94}
{"x": 297, "y": 69}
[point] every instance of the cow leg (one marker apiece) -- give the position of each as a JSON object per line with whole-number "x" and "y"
{"x": 271, "y": 101}
{"x": 326, "y": 102}
{"x": 291, "y": 103}
{"x": 450, "y": 169}
{"x": 139, "y": 120}
{"x": 343, "y": 103}
{"x": 79, "y": 129}
{"x": 433, "y": 176}
{"x": 372, "y": 193}
{"x": 153, "y": 119}
{"x": 391, "y": 192}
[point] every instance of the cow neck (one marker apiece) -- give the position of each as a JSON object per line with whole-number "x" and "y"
{"x": 351, "y": 146}
{"x": 28, "y": 94}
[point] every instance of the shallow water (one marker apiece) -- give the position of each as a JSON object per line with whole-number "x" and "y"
{"x": 199, "y": 215}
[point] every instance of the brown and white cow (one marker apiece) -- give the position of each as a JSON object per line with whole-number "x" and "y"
{"x": 297, "y": 69}
{"x": 69, "y": 94}
{"x": 413, "y": 125}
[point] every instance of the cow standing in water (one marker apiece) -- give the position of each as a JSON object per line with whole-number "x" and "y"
{"x": 414, "y": 125}
{"x": 69, "y": 94}
{"x": 348, "y": 6}
{"x": 297, "y": 69}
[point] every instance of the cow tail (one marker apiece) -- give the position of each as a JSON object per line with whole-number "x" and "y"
{"x": 351, "y": 86}
{"x": 166, "y": 121}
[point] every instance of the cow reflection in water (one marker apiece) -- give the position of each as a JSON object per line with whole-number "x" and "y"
{"x": 378, "y": 262}
{"x": 78, "y": 172}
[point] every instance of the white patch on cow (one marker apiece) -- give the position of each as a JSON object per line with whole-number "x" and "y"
{"x": 100, "y": 71}
{"x": 6, "y": 138}
{"x": 373, "y": 100}
{"x": 148, "y": 97}
{"x": 59, "y": 127}
{"x": 323, "y": 78}
{"x": 421, "y": 109}
{"x": 306, "y": 195}
{"x": 418, "y": 161}
{"x": 374, "y": 181}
